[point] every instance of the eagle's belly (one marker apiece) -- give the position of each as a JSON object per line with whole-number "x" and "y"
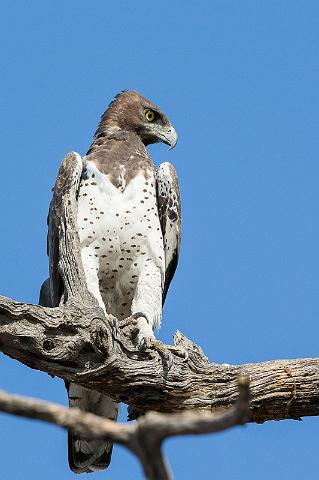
{"x": 120, "y": 235}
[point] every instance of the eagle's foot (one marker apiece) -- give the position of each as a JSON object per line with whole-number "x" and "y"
{"x": 127, "y": 325}
{"x": 130, "y": 321}
{"x": 150, "y": 343}
{"x": 112, "y": 320}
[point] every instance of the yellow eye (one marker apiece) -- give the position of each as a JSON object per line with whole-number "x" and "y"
{"x": 149, "y": 115}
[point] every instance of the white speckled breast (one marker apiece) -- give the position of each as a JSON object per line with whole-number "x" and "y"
{"x": 120, "y": 235}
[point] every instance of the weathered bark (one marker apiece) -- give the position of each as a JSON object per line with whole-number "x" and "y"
{"x": 76, "y": 342}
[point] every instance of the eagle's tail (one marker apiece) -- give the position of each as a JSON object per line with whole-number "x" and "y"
{"x": 87, "y": 455}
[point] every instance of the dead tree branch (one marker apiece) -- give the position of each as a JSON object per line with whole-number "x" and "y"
{"x": 143, "y": 438}
{"x": 76, "y": 342}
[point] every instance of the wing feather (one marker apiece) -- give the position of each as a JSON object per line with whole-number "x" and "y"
{"x": 169, "y": 210}
{"x": 68, "y": 178}
{"x": 84, "y": 455}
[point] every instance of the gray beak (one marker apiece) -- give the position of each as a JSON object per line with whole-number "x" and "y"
{"x": 170, "y": 137}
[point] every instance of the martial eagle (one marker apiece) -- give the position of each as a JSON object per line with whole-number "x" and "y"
{"x": 129, "y": 224}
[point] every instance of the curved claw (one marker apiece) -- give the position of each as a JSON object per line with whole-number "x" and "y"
{"x": 113, "y": 321}
{"x": 180, "y": 352}
{"x": 127, "y": 322}
{"x": 127, "y": 325}
{"x": 149, "y": 343}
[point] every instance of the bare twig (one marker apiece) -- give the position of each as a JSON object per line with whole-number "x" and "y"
{"x": 145, "y": 437}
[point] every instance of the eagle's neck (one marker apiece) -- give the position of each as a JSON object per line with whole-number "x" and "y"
{"x": 115, "y": 151}
{"x": 107, "y": 137}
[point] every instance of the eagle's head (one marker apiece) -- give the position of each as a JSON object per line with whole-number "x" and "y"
{"x": 129, "y": 111}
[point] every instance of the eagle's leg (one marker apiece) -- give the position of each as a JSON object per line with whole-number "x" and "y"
{"x": 147, "y": 302}
{"x": 91, "y": 267}
{"x": 146, "y": 311}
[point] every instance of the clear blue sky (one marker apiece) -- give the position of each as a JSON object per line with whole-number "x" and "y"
{"x": 239, "y": 80}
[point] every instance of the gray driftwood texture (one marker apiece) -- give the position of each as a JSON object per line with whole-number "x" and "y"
{"x": 75, "y": 341}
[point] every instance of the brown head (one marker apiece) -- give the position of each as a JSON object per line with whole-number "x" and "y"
{"x": 131, "y": 112}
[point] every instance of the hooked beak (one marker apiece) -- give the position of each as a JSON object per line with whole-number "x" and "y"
{"x": 170, "y": 137}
